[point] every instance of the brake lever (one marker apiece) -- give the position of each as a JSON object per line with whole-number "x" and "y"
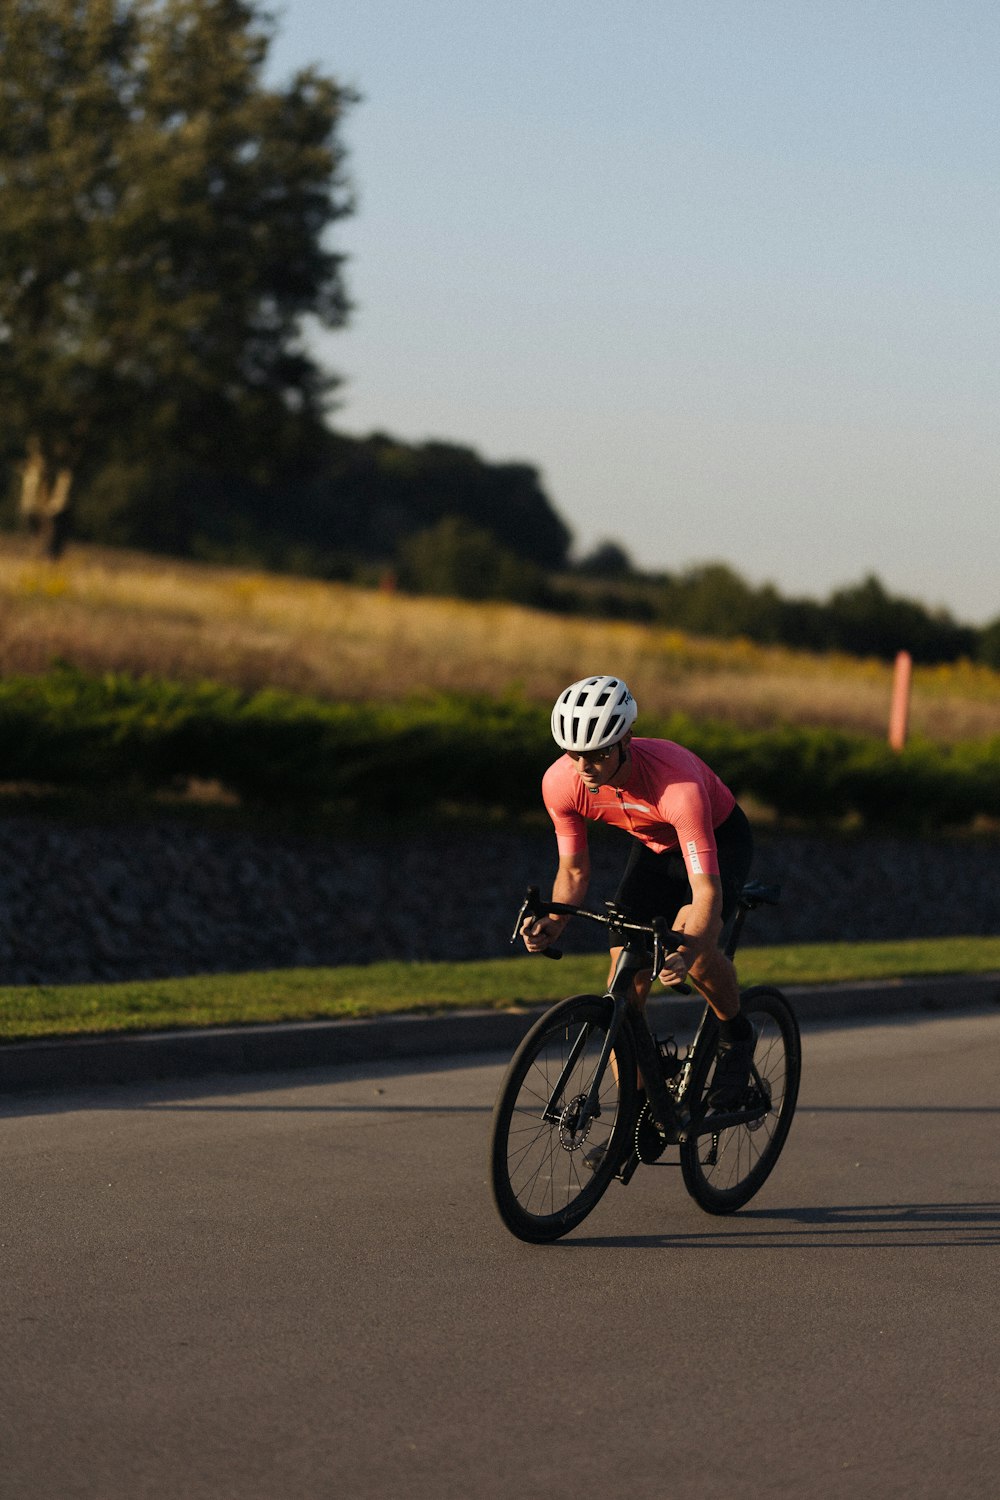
{"x": 529, "y": 904}
{"x": 660, "y": 951}
{"x": 532, "y": 904}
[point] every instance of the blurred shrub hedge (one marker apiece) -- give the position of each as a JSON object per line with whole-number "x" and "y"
{"x": 274, "y": 749}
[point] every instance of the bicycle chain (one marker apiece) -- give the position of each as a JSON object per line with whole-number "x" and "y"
{"x": 650, "y": 1142}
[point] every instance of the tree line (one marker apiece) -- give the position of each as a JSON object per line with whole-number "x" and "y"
{"x": 436, "y": 518}
{"x": 861, "y": 619}
{"x": 167, "y": 220}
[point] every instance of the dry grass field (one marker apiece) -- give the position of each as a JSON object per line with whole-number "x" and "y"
{"x": 104, "y": 610}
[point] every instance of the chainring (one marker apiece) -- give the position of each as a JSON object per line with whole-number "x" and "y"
{"x": 650, "y": 1142}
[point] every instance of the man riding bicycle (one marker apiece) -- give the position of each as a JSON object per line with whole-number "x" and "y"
{"x": 690, "y": 855}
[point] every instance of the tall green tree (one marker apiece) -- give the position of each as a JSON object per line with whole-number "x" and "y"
{"x": 458, "y": 559}
{"x": 163, "y": 235}
{"x": 868, "y": 621}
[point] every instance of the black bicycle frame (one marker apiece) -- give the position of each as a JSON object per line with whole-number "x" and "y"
{"x": 675, "y": 1123}
{"x": 671, "y": 1121}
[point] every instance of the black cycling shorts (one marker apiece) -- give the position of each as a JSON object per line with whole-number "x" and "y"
{"x": 656, "y": 884}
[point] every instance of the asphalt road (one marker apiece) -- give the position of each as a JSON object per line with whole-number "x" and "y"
{"x": 298, "y": 1287}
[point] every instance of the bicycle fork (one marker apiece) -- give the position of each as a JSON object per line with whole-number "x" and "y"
{"x": 590, "y": 1108}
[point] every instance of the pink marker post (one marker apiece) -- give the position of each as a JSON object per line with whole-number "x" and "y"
{"x": 899, "y": 713}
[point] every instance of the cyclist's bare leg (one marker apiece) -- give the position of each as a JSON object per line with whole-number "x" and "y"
{"x": 640, "y": 982}
{"x": 711, "y": 971}
{"x": 640, "y": 989}
{"x": 715, "y": 976}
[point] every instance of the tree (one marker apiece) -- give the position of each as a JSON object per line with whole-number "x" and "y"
{"x": 710, "y": 599}
{"x": 868, "y": 621}
{"x": 163, "y": 238}
{"x": 434, "y": 480}
{"x": 456, "y": 558}
{"x": 607, "y": 560}
{"x": 989, "y": 644}
{"x": 377, "y": 491}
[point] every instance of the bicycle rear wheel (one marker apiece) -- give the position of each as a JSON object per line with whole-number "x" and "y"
{"x": 542, "y": 1185}
{"x": 723, "y": 1170}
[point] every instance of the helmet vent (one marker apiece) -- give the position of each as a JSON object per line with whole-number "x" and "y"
{"x": 593, "y": 714}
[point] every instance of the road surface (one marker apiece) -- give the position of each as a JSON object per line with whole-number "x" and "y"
{"x": 298, "y": 1287}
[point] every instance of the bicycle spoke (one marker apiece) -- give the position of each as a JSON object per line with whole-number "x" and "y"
{"x": 723, "y": 1170}
{"x": 543, "y": 1129}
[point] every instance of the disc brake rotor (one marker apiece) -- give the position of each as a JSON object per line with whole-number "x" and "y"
{"x": 761, "y": 1096}
{"x": 571, "y": 1137}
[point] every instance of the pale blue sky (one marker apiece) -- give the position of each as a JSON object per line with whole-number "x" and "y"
{"x": 727, "y": 272}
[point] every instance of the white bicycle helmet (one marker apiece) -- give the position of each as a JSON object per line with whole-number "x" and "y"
{"x": 593, "y": 714}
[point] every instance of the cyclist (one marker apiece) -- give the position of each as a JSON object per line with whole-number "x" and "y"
{"x": 689, "y": 858}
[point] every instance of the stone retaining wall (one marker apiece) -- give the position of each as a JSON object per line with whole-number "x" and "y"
{"x": 107, "y": 901}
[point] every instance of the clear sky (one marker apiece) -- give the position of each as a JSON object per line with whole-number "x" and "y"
{"x": 726, "y": 271}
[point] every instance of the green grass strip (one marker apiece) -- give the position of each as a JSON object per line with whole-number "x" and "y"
{"x": 35, "y": 1011}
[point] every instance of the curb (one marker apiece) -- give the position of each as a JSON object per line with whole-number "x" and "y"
{"x": 46, "y": 1067}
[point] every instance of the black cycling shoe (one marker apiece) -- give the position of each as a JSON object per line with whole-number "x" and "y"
{"x": 731, "y": 1079}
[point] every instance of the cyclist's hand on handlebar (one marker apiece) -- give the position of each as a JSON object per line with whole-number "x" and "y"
{"x": 540, "y": 933}
{"x": 674, "y": 970}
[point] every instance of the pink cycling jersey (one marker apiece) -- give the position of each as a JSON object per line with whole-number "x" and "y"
{"x": 671, "y": 800}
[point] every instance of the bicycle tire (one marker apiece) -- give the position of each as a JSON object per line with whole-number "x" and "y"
{"x": 541, "y": 1186}
{"x": 723, "y": 1171}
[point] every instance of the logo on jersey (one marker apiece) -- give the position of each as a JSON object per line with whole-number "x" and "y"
{"x": 694, "y": 858}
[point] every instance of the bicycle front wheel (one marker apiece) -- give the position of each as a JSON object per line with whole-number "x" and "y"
{"x": 550, "y": 1159}
{"x": 723, "y": 1170}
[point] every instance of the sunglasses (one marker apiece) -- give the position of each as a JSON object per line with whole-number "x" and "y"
{"x": 597, "y": 756}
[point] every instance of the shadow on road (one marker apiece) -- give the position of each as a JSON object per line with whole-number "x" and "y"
{"x": 372, "y": 1108}
{"x": 215, "y": 1090}
{"x": 832, "y": 1226}
{"x": 898, "y": 1109}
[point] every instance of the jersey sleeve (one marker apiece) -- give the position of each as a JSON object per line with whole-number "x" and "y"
{"x": 569, "y": 823}
{"x": 691, "y": 816}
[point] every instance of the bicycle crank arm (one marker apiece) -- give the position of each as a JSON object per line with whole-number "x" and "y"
{"x": 628, "y": 1168}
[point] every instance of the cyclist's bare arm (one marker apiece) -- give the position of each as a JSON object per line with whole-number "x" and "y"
{"x": 570, "y": 886}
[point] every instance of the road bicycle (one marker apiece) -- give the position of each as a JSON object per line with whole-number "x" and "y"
{"x": 571, "y": 1116}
